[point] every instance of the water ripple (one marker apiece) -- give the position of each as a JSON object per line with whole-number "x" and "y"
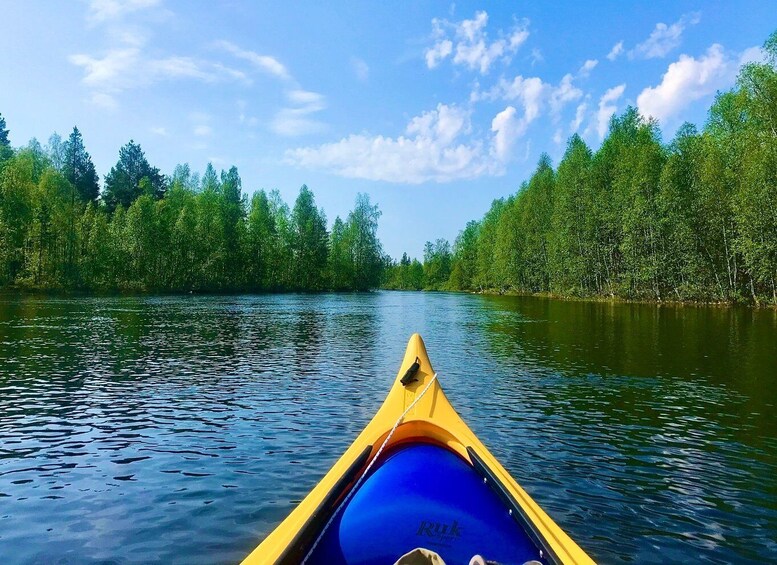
{"x": 140, "y": 430}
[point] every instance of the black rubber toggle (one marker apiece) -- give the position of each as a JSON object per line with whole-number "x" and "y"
{"x": 409, "y": 376}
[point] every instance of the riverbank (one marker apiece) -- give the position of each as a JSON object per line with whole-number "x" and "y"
{"x": 88, "y": 293}
{"x": 11, "y": 291}
{"x": 602, "y": 299}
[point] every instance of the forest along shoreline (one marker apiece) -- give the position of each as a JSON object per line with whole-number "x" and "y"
{"x": 694, "y": 220}
{"x": 691, "y": 221}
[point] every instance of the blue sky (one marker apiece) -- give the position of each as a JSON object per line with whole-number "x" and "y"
{"x": 433, "y": 109}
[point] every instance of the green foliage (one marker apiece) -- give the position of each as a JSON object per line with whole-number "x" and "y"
{"x": 355, "y": 253}
{"x": 571, "y": 261}
{"x": 5, "y": 143}
{"x": 309, "y": 243}
{"x": 77, "y": 167}
{"x": 404, "y": 275}
{"x": 438, "y": 259}
{"x": 692, "y": 220}
{"x": 465, "y": 255}
{"x": 198, "y": 235}
{"x": 125, "y": 183}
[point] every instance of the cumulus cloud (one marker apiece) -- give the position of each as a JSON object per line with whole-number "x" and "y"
{"x": 587, "y": 67}
{"x": 436, "y": 146}
{"x": 470, "y": 46}
{"x": 664, "y": 38}
{"x": 507, "y": 127}
{"x": 607, "y": 108}
{"x": 616, "y": 50}
{"x": 564, "y": 93}
{"x": 439, "y": 51}
{"x": 533, "y": 94}
{"x": 689, "y": 79}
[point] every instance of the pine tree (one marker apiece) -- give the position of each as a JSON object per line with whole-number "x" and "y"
{"x": 123, "y": 183}
{"x": 78, "y": 168}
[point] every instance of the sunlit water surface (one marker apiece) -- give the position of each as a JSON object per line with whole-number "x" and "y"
{"x": 183, "y": 429}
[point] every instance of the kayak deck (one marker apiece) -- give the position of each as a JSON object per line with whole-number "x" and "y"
{"x": 424, "y": 495}
{"x": 417, "y": 476}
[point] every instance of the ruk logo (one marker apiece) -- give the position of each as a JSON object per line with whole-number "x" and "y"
{"x": 439, "y": 531}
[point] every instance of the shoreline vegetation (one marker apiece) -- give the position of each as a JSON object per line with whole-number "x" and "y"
{"x": 694, "y": 220}
{"x": 637, "y": 220}
{"x": 149, "y": 233}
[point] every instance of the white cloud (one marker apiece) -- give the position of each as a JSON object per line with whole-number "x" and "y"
{"x": 689, "y": 79}
{"x": 664, "y": 38}
{"x": 751, "y": 55}
{"x": 533, "y": 94}
{"x": 202, "y": 130}
{"x": 100, "y": 11}
{"x": 616, "y": 50}
{"x": 231, "y": 73}
{"x": 536, "y": 56}
{"x": 109, "y": 71}
{"x": 436, "y": 146}
{"x": 587, "y": 67}
{"x": 159, "y": 130}
{"x": 179, "y": 67}
{"x": 574, "y": 125}
{"x": 507, "y": 127}
{"x": 296, "y": 119}
{"x": 360, "y": 68}
{"x": 607, "y": 108}
{"x": 128, "y": 67}
{"x": 265, "y": 63}
{"x": 438, "y": 52}
{"x": 469, "y": 44}
{"x": 306, "y": 97}
{"x": 564, "y": 93}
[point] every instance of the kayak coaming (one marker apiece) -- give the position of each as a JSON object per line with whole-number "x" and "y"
{"x": 432, "y": 419}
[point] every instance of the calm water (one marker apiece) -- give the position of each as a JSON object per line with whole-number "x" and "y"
{"x": 183, "y": 429}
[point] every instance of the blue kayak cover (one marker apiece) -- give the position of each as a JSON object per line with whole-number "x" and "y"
{"x": 424, "y": 496}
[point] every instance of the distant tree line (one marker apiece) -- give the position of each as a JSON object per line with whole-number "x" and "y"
{"x": 692, "y": 220}
{"x": 149, "y": 232}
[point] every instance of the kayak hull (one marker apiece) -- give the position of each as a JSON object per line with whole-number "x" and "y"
{"x": 421, "y": 492}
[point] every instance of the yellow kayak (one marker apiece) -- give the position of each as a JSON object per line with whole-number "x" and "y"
{"x": 417, "y": 478}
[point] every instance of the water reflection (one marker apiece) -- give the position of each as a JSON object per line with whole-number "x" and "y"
{"x": 147, "y": 429}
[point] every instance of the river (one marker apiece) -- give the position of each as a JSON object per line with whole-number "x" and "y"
{"x": 183, "y": 429}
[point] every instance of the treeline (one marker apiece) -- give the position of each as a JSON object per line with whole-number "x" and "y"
{"x": 146, "y": 231}
{"x": 692, "y": 220}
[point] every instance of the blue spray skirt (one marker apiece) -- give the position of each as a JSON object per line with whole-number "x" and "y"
{"x": 424, "y": 496}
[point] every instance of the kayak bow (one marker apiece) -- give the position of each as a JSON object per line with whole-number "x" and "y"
{"x": 422, "y": 480}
